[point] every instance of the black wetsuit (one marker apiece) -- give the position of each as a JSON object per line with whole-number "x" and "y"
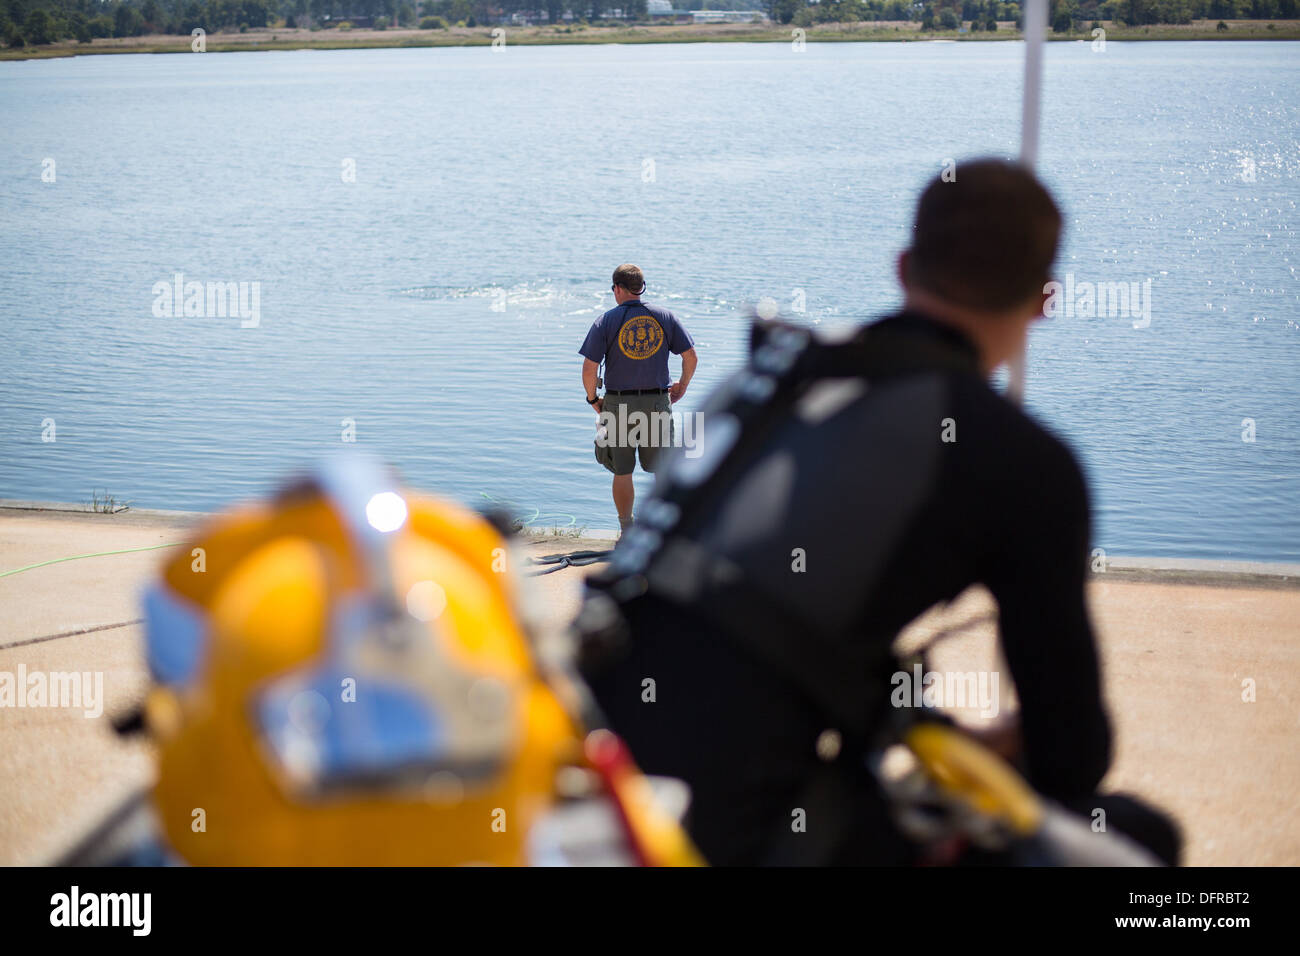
{"x": 869, "y": 503}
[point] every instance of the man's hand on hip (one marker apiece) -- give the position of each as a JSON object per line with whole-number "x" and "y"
{"x": 676, "y": 391}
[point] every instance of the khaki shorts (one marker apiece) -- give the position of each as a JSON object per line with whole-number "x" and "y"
{"x": 650, "y": 439}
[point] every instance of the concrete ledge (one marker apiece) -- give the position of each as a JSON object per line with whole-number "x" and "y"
{"x": 62, "y": 507}
{"x": 1206, "y": 571}
{"x": 150, "y": 516}
{"x": 1212, "y": 572}
{"x": 603, "y": 535}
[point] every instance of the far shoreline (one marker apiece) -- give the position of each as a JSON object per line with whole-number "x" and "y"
{"x": 280, "y": 38}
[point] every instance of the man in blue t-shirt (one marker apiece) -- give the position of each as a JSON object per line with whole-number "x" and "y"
{"x": 634, "y": 339}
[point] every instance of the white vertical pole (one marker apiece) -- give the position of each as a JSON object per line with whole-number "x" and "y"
{"x": 1034, "y": 13}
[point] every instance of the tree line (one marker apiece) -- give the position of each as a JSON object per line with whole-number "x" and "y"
{"x": 46, "y": 21}
{"x": 1063, "y": 15}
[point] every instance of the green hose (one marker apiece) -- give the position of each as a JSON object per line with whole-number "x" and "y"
{"x": 78, "y": 557}
{"x": 536, "y": 516}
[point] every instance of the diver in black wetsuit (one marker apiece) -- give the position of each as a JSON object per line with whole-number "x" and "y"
{"x": 764, "y": 611}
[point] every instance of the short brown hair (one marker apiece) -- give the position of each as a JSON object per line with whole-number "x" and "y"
{"x": 630, "y": 278}
{"x": 985, "y": 240}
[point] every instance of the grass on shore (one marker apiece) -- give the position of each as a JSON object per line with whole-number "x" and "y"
{"x": 107, "y": 504}
{"x": 272, "y": 38}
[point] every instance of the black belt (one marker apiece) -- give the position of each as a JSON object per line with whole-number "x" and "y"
{"x": 636, "y": 391}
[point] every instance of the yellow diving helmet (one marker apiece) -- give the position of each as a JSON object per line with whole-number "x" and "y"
{"x": 342, "y": 679}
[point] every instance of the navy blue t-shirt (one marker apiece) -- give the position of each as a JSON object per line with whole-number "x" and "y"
{"x": 634, "y": 339}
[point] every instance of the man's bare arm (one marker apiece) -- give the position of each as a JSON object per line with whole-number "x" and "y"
{"x": 589, "y": 372}
{"x": 689, "y": 361}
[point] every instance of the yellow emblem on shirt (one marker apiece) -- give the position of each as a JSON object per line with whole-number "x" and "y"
{"x": 640, "y": 337}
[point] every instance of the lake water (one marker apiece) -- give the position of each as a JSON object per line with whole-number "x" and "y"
{"x": 438, "y": 301}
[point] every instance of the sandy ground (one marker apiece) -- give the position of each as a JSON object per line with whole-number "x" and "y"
{"x": 1175, "y": 655}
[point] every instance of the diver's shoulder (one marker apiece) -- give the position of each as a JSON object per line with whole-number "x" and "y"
{"x": 1015, "y": 436}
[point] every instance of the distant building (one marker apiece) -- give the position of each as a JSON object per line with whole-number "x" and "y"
{"x": 357, "y": 20}
{"x": 664, "y": 10}
{"x": 726, "y": 16}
